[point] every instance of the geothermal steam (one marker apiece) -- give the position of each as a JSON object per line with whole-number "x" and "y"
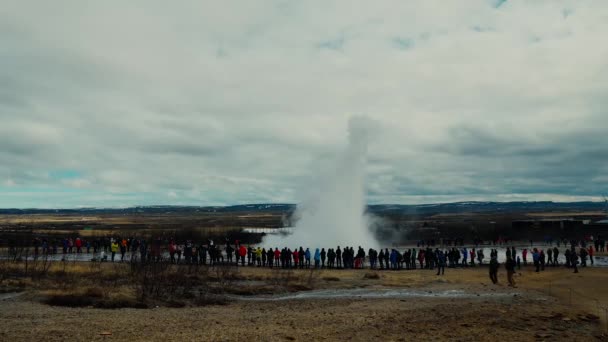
{"x": 335, "y": 215}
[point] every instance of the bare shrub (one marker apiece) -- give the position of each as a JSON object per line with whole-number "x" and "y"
{"x": 331, "y": 278}
{"x": 371, "y": 275}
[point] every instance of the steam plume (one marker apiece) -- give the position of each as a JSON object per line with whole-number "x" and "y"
{"x": 336, "y": 214}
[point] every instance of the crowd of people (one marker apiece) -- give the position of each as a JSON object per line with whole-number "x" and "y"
{"x": 209, "y": 253}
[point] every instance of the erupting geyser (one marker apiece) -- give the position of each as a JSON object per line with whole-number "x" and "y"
{"x": 336, "y": 216}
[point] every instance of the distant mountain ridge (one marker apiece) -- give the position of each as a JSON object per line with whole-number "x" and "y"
{"x": 456, "y": 207}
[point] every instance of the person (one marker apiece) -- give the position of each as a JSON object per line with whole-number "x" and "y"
{"x": 78, "y": 244}
{"x": 542, "y": 260}
{"x": 331, "y": 258}
{"x": 296, "y": 258}
{"x": 510, "y": 267}
{"x": 114, "y": 249}
{"x": 307, "y": 257}
{"x": 549, "y": 256}
{"x": 229, "y": 253}
{"x": 472, "y": 253}
{"x": 277, "y": 257}
{"x": 574, "y": 259}
{"x": 421, "y": 258}
{"x": 143, "y": 251}
{"x": 258, "y": 256}
{"x": 583, "y": 256}
{"x": 480, "y": 256}
{"x": 464, "y": 256}
{"x": 242, "y": 255}
{"x": 518, "y": 263}
{"x": 591, "y": 251}
{"x": 317, "y": 258}
{"x": 123, "y": 250}
{"x": 555, "y": 255}
{"x": 172, "y": 249}
{"x": 253, "y": 256}
{"x": 179, "y": 252}
{"x": 524, "y": 255}
{"x": 536, "y": 259}
{"x": 494, "y": 270}
{"x": 323, "y": 257}
{"x": 339, "y": 257}
{"x": 440, "y": 263}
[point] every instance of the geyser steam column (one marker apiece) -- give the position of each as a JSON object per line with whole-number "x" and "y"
{"x": 335, "y": 216}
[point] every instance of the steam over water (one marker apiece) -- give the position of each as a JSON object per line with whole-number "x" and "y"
{"x": 335, "y": 215}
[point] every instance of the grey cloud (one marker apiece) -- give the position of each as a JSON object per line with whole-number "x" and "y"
{"x": 135, "y": 98}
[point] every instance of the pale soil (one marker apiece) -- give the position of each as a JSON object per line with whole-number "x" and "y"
{"x": 539, "y": 309}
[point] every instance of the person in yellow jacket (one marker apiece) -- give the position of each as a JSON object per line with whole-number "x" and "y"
{"x": 258, "y": 256}
{"x": 114, "y": 249}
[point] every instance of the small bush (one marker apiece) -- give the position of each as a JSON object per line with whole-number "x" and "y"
{"x": 331, "y": 278}
{"x": 298, "y": 288}
{"x": 94, "y": 292}
{"x": 371, "y": 275}
{"x": 176, "y": 304}
{"x": 211, "y": 300}
{"x": 119, "y": 303}
{"x": 69, "y": 300}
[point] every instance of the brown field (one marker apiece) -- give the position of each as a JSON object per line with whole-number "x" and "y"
{"x": 585, "y": 214}
{"x": 542, "y": 307}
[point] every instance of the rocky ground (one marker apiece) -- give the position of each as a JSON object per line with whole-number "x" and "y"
{"x": 542, "y": 307}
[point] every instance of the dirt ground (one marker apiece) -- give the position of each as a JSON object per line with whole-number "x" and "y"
{"x": 542, "y": 307}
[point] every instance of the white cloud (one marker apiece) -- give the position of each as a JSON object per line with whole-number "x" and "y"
{"x": 232, "y": 102}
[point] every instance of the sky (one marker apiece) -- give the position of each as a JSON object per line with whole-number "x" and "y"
{"x": 114, "y": 103}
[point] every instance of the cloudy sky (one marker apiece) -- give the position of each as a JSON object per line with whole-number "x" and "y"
{"x": 114, "y": 103}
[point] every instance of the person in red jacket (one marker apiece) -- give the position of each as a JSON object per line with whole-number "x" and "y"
{"x": 78, "y": 244}
{"x": 172, "y": 250}
{"x": 242, "y": 254}
{"x": 296, "y": 258}
{"x": 591, "y": 252}
{"x": 524, "y": 255}
{"x": 277, "y": 257}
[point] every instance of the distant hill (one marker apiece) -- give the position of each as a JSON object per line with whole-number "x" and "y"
{"x": 457, "y": 207}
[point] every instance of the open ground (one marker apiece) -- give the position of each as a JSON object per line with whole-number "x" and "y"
{"x": 260, "y": 304}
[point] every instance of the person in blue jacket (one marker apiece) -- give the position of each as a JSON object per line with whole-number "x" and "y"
{"x": 440, "y": 262}
{"x": 317, "y": 258}
{"x": 307, "y": 257}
